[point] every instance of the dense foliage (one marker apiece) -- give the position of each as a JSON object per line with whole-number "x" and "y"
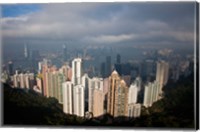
{"x": 29, "y": 108}
{"x": 175, "y": 110}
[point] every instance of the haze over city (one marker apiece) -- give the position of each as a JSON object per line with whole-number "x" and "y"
{"x": 101, "y": 60}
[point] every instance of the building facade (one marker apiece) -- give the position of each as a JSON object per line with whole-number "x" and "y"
{"x": 79, "y": 100}
{"x": 77, "y": 71}
{"x": 117, "y": 104}
{"x": 162, "y": 72}
{"x": 151, "y": 93}
{"x": 67, "y": 97}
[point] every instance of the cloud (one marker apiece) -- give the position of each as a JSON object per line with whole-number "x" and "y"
{"x": 103, "y": 23}
{"x": 111, "y": 38}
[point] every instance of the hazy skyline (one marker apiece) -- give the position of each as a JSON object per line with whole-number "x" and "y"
{"x": 132, "y": 23}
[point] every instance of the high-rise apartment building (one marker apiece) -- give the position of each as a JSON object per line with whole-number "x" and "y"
{"x": 77, "y": 71}
{"x": 162, "y": 72}
{"x": 39, "y": 83}
{"x": 79, "y": 100}
{"x": 96, "y": 88}
{"x": 134, "y": 110}
{"x": 16, "y": 83}
{"x": 85, "y": 82}
{"x": 151, "y": 93}
{"x": 45, "y": 79}
{"x": 117, "y": 104}
{"x": 67, "y": 97}
{"x": 134, "y": 89}
{"x": 54, "y": 81}
{"x": 61, "y": 79}
{"x": 22, "y": 80}
{"x": 98, "y": 102}
{"x": 26, "y": 80}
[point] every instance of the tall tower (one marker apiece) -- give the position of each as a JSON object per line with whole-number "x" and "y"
{"x": 10, "y": 68}
{"x": 76, "y": 71}
{"x": 68, "y": 97}
{"x": 118, "y": 59}
{"x": 162, "y": 72}
{"x": 103, "y": 69}
{"x": 64, "y": 52}
{"x": 26, "y": 51}
{"x": 151, "y": 93}
{"x": 96, "y": 96}
{"x": 79, "y": 100}
{"x": 133, "y": 91}
{"x": 117, "y": 104}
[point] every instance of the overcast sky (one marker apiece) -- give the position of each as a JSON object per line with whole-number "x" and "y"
{"x": 100, "y": 23}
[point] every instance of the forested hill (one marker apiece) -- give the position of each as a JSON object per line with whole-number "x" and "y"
{"x": 29, "y": 108}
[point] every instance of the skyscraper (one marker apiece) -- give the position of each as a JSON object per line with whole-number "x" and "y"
{"x": 151, "y": 93}
{"x": 98, "y": 102}
{"x": 118, "y": 59}
{"x": 85, "y": 83}
{"x": 16, "y": 79}
{"x": 26, "y": 51}
{"x": 10, "y": 68}
{"x": 64, "y": 53}
{"x": 162, "y": 74}
{"x": 95, "y": 84}
{"x": 79, "y": 100}
{"x": 22, "y": 80}
{"x": 117, "y": 104}
{"x": 60, "y": 79}
{"x": 45, "y": 79}
{"x": 39, "y": 83}
{"x": 134, "y": 110}
{"x": 77, "y": 71}
{"x": 133, "y": 91}
{"x": 103, "y": 69}
{"x": 67, "y": 97}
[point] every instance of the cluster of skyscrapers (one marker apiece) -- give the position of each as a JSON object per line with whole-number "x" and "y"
{"x": 81, "y": 94}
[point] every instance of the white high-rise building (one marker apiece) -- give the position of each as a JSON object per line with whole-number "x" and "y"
{"x": 68, "y": 97}
{"x": 85, "y": 82}
{"x": 40, "y": 66}
{"x": 134, "y": 110}
{"x": 162, "y": 74}
{"x": 79, "y": 100}
{"x": 134, "y": 88}
{"x": 26, "y": 51}
{"x": 151, "y": 93}
{"x": 76, "y": 71}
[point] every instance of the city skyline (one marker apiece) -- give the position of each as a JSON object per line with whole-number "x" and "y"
{"x": 101, "y": 60}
